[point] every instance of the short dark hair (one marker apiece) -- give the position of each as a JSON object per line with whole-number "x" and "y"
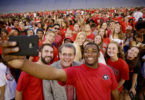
{"x": 140, "y": 25}
{"x": 56, "y": 25}
{"x": 92, "y": 43}
{"x": 41, "y": 30}
{"x": 29, "y": 30}
{"x": 67, "y": 45}
{"x": 16, "y": 29}
{"x": 43, "y": 45}
{"x": 93, "y": 25}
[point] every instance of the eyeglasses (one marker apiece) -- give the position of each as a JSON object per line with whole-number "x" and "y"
{"x": 65, "y": 54}
{"x": 56, "y": 28}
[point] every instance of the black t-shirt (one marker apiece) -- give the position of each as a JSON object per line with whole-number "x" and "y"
{"x": 136, "y": 69}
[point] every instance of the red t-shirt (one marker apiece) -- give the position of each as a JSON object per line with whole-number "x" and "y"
{"x": 62, "y": 32}
{"x": 74, "y": 36}
{"x": 30, "y": 86}
{"x": 91, "y": 36}
{"x": 91, "y": 84}
{"x": 120, "y": 68}
{"x": 58, "y": 40}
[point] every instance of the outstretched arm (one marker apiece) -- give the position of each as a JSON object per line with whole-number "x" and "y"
{"x": 37, "y": 70}
{"x": 44, "y": 71}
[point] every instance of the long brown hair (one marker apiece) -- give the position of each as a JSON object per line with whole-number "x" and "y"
{"x": 101, "y": 44}
{"x": 120, "y": 34}
{"x": 132, "y": 63}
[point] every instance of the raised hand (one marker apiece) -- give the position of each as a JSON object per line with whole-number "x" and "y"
{"x": 12, "y": 60}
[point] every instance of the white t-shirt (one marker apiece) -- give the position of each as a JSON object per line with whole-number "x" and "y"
{"x": 119, "y": 41}
{"x": 101, "y": 59}
{"x": 7, "y": 79}
{"x": 138, "y": 15}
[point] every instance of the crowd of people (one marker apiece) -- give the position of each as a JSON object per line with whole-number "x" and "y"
{"x": 84, "y": 54}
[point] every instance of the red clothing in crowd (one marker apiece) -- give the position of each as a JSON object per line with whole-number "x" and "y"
{"x": 30, "y": 86}
{"x": 1, "y": 50}
{"x": 91, "y": 84}
{"x": 91, "y": 36}
{"x": 106, "y": 41}
{"x": 58, "y": 40}
{"x": 120, "y": 68}
{"x": 74, "y": 36}
{"x": 62, "y": 32}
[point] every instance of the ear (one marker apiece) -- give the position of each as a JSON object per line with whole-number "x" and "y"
{"x": 39, "y": 54}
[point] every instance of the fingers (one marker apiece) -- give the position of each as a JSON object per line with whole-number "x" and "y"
{"x": 10, "y": 50}
{"x": 11, "y": 57}
{"x": 8, "y": 44}
{"x": 9, "y": 47}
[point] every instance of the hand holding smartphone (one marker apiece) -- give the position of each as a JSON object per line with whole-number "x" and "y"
{"x": 131, "y": 95}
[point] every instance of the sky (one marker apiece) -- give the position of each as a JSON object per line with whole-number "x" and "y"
{"x": 8, "y": 6}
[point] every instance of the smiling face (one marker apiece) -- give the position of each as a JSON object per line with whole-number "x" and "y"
{"x": 76, "y": 28}
{"x": 112, "y": 50}
{"x": 46, "y": 54}
{"x": 39, "y": 34}
{"x": 56, "y": 29}
{"x": 80, "y": 39}
{"x": 132, "y": 53}
{"x": 87, "y": 28}
{"x": 98, "y": 39}
{"x": 67, "y": 56}
{"x": 104, "y": 25}
{"x": 117, "y": 29}
{"x": 50, "y": 37}
{"x": 91, "y": 55}
{"x": 101, "y": 32}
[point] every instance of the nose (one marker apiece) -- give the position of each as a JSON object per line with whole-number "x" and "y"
{"x": 67, "y": 56}
{"x": 90, "y": 54}
{"x": 49, "y": 53}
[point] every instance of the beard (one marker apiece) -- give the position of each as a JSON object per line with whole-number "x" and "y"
{"x": 43, "y": 60}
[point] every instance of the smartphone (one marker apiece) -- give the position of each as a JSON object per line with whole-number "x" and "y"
{"x": 28, "y": 45}
{"x": 131, "y": 95}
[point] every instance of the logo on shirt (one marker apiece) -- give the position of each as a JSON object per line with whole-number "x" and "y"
{"x": 105, "y": 77}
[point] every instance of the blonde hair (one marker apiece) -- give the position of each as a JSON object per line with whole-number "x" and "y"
{"x": 120, "y": 34}
{"x": 78, "y": 56}
{"x": 80, "y": 33}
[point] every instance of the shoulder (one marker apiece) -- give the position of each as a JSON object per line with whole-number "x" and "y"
{"x": 105, "y": 69}
{"x": 24, "y": 75}
{"x": 3, "y": 67}
{"x": 56, "y": 64}
{"x": 103, "y": 66}
{"x": 74, "y": 69}
{"x": 122, "y": 61}
{"x": 75, "y": 63}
